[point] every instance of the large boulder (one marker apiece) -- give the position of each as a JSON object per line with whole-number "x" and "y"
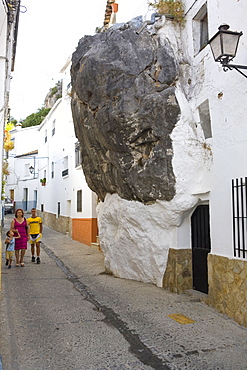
{"x": 124, "y": 109}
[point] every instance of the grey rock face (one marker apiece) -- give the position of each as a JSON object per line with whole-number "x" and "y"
{"x": 53, "y": 95}
{"x": 124, "y": 110}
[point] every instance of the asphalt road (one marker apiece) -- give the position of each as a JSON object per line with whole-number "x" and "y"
{"x": 67, "y": 313}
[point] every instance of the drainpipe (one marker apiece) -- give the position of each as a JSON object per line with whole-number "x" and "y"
{"x": 152, "y": 21}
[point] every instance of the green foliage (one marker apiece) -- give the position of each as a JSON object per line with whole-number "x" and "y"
{"x": 99, "y": 29}
{"x": 175, "y": 8}
{"x": 35, "y": 119}
{"x": 55, "y": 89}
{"x": 12, "y": 120}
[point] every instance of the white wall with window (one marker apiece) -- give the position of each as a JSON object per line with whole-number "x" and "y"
{"x": 21, "y": 159}
{"x": 62, "y": 161}
{"x": 53, "y": 127}
{"x": 216, "y": 99}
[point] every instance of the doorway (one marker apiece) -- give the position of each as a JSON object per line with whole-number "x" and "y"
{"x": 12, "y": 194}
{"x": 201, "y": 246}
{"x": 25, "y": 199}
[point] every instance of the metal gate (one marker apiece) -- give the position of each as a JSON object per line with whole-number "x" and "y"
{"x": 200, "y": 232}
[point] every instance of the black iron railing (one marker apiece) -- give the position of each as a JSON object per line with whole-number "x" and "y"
{"x": 239, "y": 208}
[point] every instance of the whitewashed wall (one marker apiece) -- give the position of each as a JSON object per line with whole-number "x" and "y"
{"x": 227, "y": 94}
{"x": 58, "y": 146}
{"x": 203, "y": 169}
{"x": 3, "y": 35}
{"x": 7, "y": 40}
{"x": 26, "y": 141}
{"x": 55, "y": 149}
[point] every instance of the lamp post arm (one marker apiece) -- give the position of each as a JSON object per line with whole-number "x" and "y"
{"x": 236, "y": 67}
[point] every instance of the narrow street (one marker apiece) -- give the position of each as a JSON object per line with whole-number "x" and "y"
{"x": 67, "y": 313}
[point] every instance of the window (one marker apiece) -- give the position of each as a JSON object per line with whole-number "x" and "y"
{"x": 200, "y": 29}
{"x": 45, "y": 136}
{"x": 77, "y": 154}
{"x": 25, "y": 199}
{"x": 52, "y": 170}
{"x": 79, "y": 201}
{"x": 58, "y": 209}
{"x": 204, "y": 31}
{"x": 65, "y": 171}
{"x": 53, "y": 128}
{"x": 239, "y": 215}
{"x": 205, "y": 120}
{"x": 42, "y": 208}
{"x": 27, "y": 172}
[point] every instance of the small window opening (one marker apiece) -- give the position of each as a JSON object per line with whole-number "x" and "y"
{"x": 79, "y": 201}
{"x": 205, "y": 119}
{"x": 200, "y": 29}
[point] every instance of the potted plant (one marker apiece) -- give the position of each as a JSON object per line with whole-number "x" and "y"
{"x": 43, "y": 181}
{"x": 172, "y": 8}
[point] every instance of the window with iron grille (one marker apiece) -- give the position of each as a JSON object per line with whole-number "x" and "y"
{"x": 239, "y": 214}
{"x": 77, "y": 155}
{"x": 65, "y": 171}
{"x": 79, "y": 201}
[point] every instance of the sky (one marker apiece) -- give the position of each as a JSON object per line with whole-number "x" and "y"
{"x": 48, "y": 34}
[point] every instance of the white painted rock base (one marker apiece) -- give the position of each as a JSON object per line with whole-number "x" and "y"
{"x": 135, "y": 238}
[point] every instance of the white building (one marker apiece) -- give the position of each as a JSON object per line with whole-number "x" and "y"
{"x": 199, "y": 240}
{"x": 22, "y": 184}
{"x": 51, "y": 151}
{"x": 217, "y": 100}
{"x": 9, "y": 17}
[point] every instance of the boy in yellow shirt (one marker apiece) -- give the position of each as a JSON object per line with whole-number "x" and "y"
{"x": 35, "y": 233}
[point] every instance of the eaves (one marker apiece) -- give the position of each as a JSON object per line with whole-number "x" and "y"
{"x": 27, "y": 154}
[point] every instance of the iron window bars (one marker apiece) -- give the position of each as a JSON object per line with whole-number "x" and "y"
{"x": 239, "y": 208}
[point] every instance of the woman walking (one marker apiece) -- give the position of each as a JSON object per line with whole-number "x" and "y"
{"x": 19, "y": 223}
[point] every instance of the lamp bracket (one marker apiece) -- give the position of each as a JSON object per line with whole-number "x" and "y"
{"x": 234, "y": 66}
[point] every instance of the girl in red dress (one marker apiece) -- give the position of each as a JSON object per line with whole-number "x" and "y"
{"x": 19, "y": 223}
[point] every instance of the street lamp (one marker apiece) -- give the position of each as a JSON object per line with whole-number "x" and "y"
{"x": 31, "y": 169}
{"x": 224, "y": 46}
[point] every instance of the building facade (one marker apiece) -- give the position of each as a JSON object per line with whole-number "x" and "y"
{"x": 9, "y": 18}
{"x": 217, "y": 98}
{"x": 45, "y": 172}
{"x": 205, "y": 247}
